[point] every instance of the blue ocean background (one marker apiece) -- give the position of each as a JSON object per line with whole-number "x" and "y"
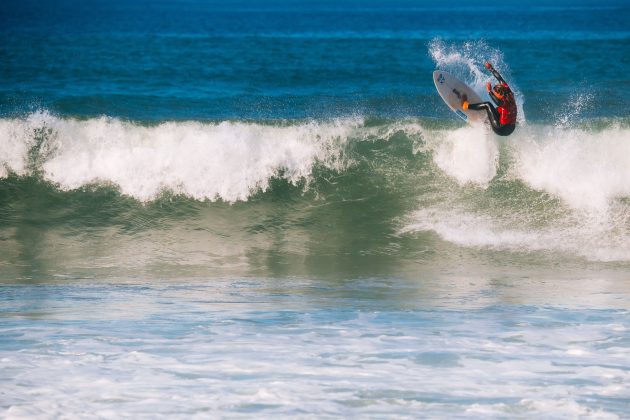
{"x": 264, "y": 209}
{"x": 215, "y": 60}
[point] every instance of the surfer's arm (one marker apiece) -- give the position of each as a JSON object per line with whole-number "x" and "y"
{"x": 495, "y": 73}
{"x": 496, "y": 100}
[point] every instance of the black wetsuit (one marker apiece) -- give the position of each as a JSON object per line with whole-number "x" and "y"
{"x": 494, "y": 117}
{"x": 504, "y": 122}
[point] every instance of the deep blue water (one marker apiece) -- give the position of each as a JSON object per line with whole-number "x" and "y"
{"x": 209, "y": 60}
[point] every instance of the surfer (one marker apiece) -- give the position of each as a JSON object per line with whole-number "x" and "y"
{"x": 503, "y": 117}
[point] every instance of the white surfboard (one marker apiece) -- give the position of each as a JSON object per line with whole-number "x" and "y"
{"x": 451, "y": 90}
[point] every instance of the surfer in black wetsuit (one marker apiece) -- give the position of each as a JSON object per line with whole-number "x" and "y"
{"x": 503, "y": 118}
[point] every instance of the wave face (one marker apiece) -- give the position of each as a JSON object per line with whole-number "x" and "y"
{"x": 553, "y": 188}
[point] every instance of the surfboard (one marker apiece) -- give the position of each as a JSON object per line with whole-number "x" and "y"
{"x": 451, "y": 90}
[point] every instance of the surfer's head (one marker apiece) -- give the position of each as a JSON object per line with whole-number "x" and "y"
{"x": 500, "y": 90}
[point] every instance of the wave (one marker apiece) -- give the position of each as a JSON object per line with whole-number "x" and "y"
{"x": 225, "y": 160}
{"x": 547, "y": 188}
{"x": 561, "y": 187}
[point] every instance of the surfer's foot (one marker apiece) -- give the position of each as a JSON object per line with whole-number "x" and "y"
{"x": 464, "y": 101}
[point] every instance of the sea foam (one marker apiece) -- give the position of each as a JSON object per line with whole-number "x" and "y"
{"x": 578, "y": 180}
{"x": 580, "y": 175}
{"x": 587, "y": 169}
{"x": 468, "y": 154}
{"x": 224, "y": 160}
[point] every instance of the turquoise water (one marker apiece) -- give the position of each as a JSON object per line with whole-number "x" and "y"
{"x": 247, "y": 209}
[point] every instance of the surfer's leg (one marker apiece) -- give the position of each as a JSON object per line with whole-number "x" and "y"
{"x": 506, "y": 129}
{"x": 493, "y": 114}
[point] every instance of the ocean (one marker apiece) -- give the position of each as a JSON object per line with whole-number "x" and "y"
{"x": 263, "y": 209}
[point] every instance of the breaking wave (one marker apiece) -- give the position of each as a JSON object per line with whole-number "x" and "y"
{"x": 547, "y": 187}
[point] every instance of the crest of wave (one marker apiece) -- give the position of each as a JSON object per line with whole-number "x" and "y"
{"x": 587, "y": 169}
{"x": 467, "y": 154}
{"x": 225, "y": 160}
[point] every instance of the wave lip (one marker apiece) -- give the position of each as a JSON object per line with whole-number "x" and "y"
{"x": 205, "y": 161}
{"x": 468, "y": 155}
{"x": 587, "y": 169}
{"x": 16, "y": 139}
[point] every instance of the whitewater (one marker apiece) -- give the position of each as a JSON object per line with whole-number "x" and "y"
{"x": 554, "y": 187}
